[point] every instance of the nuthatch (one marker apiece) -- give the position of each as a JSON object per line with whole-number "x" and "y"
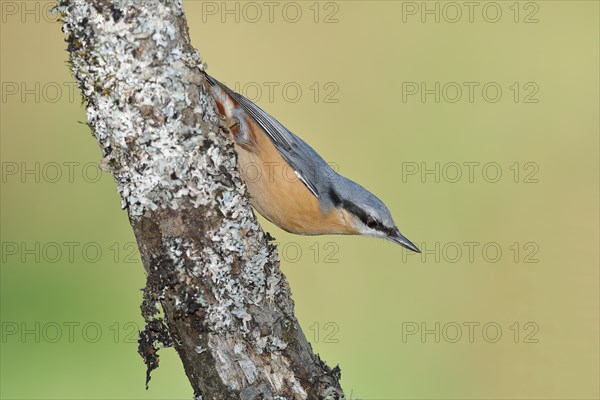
{"x": 318, "y": 200}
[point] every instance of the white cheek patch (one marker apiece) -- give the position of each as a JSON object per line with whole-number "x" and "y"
{"x": 376, "y": 233}
{"x": 366, "y": 231}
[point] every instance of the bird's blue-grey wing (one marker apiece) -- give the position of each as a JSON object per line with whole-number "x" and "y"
{"x": 309, "y": 167}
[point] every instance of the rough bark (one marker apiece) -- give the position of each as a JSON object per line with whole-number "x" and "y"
{"x": 226, "y": 307}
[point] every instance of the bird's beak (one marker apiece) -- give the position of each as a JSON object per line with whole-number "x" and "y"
{"x": 397, "y": 237}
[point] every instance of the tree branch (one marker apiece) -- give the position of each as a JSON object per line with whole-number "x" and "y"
{"x": 227, "y": 307}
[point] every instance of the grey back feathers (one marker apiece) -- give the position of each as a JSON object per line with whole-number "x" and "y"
{"x": 310, "y": 168}
{"x": 332, "y": 189}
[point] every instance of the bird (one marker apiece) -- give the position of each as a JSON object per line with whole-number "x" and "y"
{"x": 290, "y": 184}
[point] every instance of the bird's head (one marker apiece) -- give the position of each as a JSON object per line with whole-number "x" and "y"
{"x": 366, "y": 213}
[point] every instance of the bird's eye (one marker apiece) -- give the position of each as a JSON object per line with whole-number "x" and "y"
{"x": 372, "y": 223}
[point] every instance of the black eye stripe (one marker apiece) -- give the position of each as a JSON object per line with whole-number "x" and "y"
{"x": 363, "y": 216}
{"x": 356, "y": 210}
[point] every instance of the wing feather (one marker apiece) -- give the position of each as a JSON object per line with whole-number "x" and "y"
{"x": 288, "y": 145}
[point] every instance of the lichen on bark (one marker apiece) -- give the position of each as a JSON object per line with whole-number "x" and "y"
{"x": 227, "y": 307}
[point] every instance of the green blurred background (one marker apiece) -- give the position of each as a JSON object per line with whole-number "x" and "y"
{"x": 343, "y": 77}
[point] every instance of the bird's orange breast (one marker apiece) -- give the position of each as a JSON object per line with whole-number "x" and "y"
{"x": 279, "y": 195}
